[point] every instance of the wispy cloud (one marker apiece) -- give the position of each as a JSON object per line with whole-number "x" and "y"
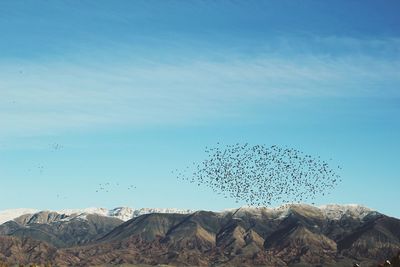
{"x": 47, "y": 96}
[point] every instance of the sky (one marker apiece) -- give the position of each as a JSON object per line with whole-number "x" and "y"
{"x": 130, "y": 90}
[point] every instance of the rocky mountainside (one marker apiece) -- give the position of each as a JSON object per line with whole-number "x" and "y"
{"x": 297, "y": 235}
{"x": 58, "y": 230}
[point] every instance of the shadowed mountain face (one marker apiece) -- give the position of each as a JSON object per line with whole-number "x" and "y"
{"x": 300, "y": 235}
{"x": 25, "y": 251}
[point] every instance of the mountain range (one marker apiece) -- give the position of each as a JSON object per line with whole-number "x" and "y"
{"x": 292, "y": 235}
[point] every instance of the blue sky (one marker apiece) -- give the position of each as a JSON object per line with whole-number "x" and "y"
{"x": 134, "y": 89}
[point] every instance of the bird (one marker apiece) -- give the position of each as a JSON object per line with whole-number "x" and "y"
{"x": 56, "y": 146}
{"x": 40, "y": 168}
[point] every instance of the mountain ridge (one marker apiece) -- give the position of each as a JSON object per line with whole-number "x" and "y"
{"x": 331, "y": 211}
{"x": 122, "y": 213}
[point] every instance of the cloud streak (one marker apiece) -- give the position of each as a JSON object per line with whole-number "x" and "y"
{"x": 48, "y": 96}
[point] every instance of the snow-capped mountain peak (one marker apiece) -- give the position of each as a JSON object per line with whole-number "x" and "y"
{"x": 11, "y": 214}
{"x": 122, "y": 213}
{"x": 331, "y": 211}
{"x": 335, "y": 211}
{"x": 98, "y": 211}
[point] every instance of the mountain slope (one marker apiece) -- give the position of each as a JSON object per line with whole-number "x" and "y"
{"x": 297, "y": 235}
{"x": 24, "y": 251}
{"x": 49, "y": 228}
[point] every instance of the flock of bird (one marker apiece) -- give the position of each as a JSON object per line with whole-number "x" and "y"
{"x": 108, "y": 187}
{"x": 53, "y": 147}
{"x": 258, "y": 175}
{"x": 261, "y": 175}
{"x": 102, "y": 187}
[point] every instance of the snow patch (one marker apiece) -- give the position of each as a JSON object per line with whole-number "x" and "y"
{"x": 335, "y": 211}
